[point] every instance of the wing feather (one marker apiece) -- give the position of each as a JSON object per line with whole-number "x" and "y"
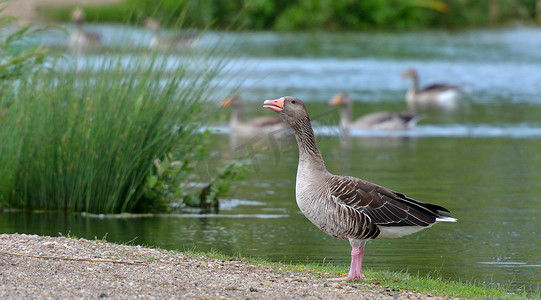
{"x": 265, "y": 121}
{"x": 383, "y": 206}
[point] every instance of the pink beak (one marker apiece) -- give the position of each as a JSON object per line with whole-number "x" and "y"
{"x": 277, "y": 105}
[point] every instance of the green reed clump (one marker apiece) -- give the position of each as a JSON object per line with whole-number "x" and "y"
{"x": 84, "y": 139}
{"x": 17, "y": 60}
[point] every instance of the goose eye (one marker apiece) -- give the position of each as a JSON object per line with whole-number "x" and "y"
{"x": 293, "y": 101}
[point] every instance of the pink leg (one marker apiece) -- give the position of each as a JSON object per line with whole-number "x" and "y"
{"x": 355, "y": 270}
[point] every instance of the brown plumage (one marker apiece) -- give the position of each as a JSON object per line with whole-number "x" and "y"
{"x": 346, "y": 207}
{"x": 259, "y": 125}
{"x": 437, "y": 95}
{"x": 80, "y": 40}
{"x": 158, "y": 41}
{"x": 382, "y": 120}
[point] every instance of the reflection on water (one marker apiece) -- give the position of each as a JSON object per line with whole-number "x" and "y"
{"x": 420, "y": 131}
{"x": 482, "y": 162}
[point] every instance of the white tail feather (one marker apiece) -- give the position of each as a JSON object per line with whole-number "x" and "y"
{"x": 446, "y": 219}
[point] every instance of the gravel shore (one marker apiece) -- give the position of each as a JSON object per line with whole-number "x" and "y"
{"x": 44, "y": 267}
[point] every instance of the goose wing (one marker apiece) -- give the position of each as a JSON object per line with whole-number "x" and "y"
{"x": 265, "y": 121}
{"x": 439, "y": 87}
{"x": 386, "y": 120}
{"x": 374, "y": 118}
{"x": 383, "y": 206}
{"x": 408, "y": 117}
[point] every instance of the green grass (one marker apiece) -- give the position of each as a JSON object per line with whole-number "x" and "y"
{"x": 439, "y": 286}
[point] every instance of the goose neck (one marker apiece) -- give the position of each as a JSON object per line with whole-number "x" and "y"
{"x": 346, "y": 115}
{"x": 415, "y": 83}
{"x": 236, "y": 115}
{"x": 309, "y": 154}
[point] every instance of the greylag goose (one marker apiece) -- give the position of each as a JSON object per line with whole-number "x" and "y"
{"x": 160, "y": 42}
{"x": 346, "y": 207}
{"x": 383, "y": 120}
{"x": 259, "y": 125}
{"x": 436, "y": 95}
{"x": 79, "y": 40}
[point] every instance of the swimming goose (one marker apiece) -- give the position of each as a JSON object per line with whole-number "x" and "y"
{"x": 259, "y": 125}
{"x": 160, "y": 42}
{"x": 383, "y": 120}
{"x": 79, "y": 40}
{"x": 346, "y": 207}
{"x": 436, "y": 95}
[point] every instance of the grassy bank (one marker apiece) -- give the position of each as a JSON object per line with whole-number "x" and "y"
{"x": 58, "y": 267}
{"x": 391, "y": 280}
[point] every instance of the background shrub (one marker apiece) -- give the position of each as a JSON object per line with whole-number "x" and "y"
{"x": 348, "y": 15}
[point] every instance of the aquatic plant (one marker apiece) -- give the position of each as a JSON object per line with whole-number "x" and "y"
{"x": 83, "y": 135}
{"x": 17, "y": 59}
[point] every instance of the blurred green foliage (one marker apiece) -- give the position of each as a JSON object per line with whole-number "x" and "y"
{"x": 332, "y": 15}
{"x": 16, "y": 57}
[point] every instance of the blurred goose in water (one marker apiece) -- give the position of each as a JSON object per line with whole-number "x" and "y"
{"x": 79, "y": 40}
{"x": 160, "y": 42}
{"x": 346, "y": 207}
{"x": 383, "y": 120}
{"x": 435, "y": 95}
{"x": 259, "y": 125}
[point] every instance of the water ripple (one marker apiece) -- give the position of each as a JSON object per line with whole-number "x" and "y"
{"x": 423, "y": 131}
{"x": 224, "y": 216}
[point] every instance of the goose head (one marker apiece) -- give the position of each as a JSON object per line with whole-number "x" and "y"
{"x": 152, "y": 24}
{"x": 78, "y": 16}
{"x": 409, "y": 73}
{"x": 231, "y": 101}
{"x": 290, "y": 109}
{"x": 340, "y": 99}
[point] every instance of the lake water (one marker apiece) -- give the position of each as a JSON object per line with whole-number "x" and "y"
{"x": 482, "y": 161}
